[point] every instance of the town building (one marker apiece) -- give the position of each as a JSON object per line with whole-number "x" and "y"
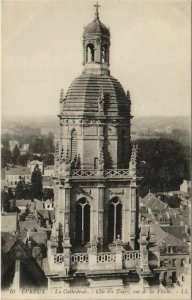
{"x": 47, "y": 182}
{"x": 24, "y": 149}
{"x": 15, "y": 174}
{"x": 12, "y": 144}
{"x": 49, "y": 171}
{"x": 186, "y": 186}
{"x": 22, "y": 260}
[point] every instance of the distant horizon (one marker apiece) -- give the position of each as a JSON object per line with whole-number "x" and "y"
{"x": 56, "y": 115}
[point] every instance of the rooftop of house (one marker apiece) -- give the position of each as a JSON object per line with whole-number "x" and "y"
{"x": 37, "y": 237}
{"x": 23, "y": 202}
{"x": 35, "y": 162}
{"x": 45, "y": 214}
{"x": 177, "y": 231}
{"x": 180, "y": 220}
{"x": 8, "y": 221}
{"x": 18, "y": 170}
{"x": 161, "y": 236}
{"x": 29, "y": 225}
{"x": 38, "y": 204}
{"x": 7, "y": 241}
{"x": 48, "y": 201}
{"x": 171, "y": 240}
{"x": 152, "y": 202}
{"x": 32, "y": 268}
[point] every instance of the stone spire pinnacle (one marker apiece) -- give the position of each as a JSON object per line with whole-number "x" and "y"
{"x": 97, "y": 11}
{"x": 133, "y": 160}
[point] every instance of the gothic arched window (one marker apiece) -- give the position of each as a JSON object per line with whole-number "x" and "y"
{"x": 73, "y": 144}
{"x": 82, "y": 231}
{"x": 114, "y": 219}
{"x": 90, "y": 53}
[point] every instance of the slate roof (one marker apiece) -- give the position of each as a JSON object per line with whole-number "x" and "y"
{"x": 18, "y": 248}
{"x": 171, "y": 240}
{"x": 83, "y": 94}
{"x": 8, "y": 222}
{"x": 161, "y": 236}
{"x": 153, "y": 203}
{"x": 96, "y": 27}
{"x": 177, "y": 231}
{"x": 38, "y": 204}
{"x": 23, "y": 202}
{"x": 7, "y": 241}
{"x": 46, "y": 214}
{"x": 28, "y": 225}
{"x": 40, "y": 237}
{"x": 178, "y": 220}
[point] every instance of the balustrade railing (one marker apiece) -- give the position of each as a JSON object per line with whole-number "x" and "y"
{"x": 84, "y": 173}
{"x": 131, "y": 255}
{"x": 119, "y": 173}
{"x": 106, "y": 257}
{"x": 58, "y": 258}
{"x": 79, "y": 258}
{"x": 116, "y": 173}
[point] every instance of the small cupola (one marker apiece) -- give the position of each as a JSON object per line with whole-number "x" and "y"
{"x": 96, "y": 44}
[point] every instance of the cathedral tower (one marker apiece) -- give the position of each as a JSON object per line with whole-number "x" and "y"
{"x": 95, "y": 184}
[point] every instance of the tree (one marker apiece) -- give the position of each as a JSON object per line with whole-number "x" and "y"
{"x": 6, "y": 156}
{"x": 49, "y": 143}
{"x": 5, "y": 205}
{"x": 37, "y": 145}
{"x": 10, "y": 194}
{"x": 20, "y": 190}
{"x": 48, "y": 159}
{"x": 27, "y": 192}
{"x": 23, "y": 159}
{"x": 14, "y": 208}
{"x": 36, "y": 184}
{"x": 16, "y": 154}
{"x": 48, "y": 193}
{"x": 163, "y": 164}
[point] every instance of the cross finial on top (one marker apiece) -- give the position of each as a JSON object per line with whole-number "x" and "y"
{"x": 97, "y": 10}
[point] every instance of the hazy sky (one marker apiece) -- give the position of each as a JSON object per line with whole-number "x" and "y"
{"x": 42, "y": 52}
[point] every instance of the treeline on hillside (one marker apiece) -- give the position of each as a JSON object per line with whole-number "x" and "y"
{"x": 163, "y": 164}
{"x": 42, "y": 145}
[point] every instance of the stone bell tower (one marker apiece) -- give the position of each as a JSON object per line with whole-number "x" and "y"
{"x": 95, "y": 164}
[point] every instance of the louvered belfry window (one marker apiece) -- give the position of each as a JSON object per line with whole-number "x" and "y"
{"x": 73, "y": 144}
